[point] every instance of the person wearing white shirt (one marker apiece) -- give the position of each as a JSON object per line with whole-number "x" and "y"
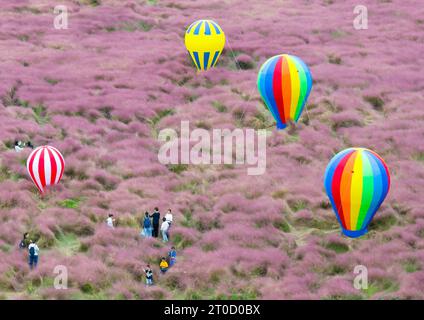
{"x": 164, "y": 229}
{"x": 18, "y": 146}
{"x": 168, "y": 216}
{"x": 33, "y": 252}
{"x": 110, "y": 221}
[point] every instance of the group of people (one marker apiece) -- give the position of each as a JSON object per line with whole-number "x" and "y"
{"x": 164, "y": 265}
{"x": 19, "y": 145}
{"x": 150, "y": 224}
{"x": 150, "y": 228}
{"x": 33, "y": 250}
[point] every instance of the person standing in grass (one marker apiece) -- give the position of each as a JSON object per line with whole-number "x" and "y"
{"x": 24, "y": 242}
{"x": 110, "y": 221}
{"x": 172, "y": 255}
{"x": 169, "y": 218}
{"x": 163, "y": 265}
{"x": 149, "y": 275}
{"x": 156, "y": 219}
{"x": 147, "y": 226}
{"x": 18, "y": 146}
{"x": 164, "y": 229}
{"x": 33, "y": 252}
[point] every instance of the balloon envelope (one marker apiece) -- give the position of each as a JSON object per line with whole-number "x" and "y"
{"x": 204, "y": 40}
{"x": 357, "y": 181}
{"x": 284, "y": 82}
{"x": 45, "y": 166}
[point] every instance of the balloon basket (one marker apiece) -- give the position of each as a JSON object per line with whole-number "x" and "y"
{"x": 354, "y": 233}
{"x": 281, "y": 126}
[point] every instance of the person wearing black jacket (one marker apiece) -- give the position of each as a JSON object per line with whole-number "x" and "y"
{"x": 156, "y": 218}
{"x": 24, "y": 242}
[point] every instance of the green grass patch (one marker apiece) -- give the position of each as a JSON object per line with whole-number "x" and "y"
{"x": 5, "y": 173}
{"x": 338, "y": 34}
{"x": 376, "y": 101}
{"x": 279, "y": 194}
{"x": 333, "y": 59}
{"x": 74, "y": 173}
{"x": 106, "y": 111}
{"x": 5, "y": 247}
{"x": 40, "y": 114}
{"x": 177, "y": 168}
{"x": 68, "y": 243}
{"x": 208, "y": 247}
{"x": 93, "y": 3}
{"x": 418, "y": 156}
{"x": 337, "y": 247}
{"x": 193, "y": 186}
{"x": 23, "y": 37}
{"x": 344, "y": 297}
{"x": 72, "y": 203}
{"x": 180, "y": 242}
{"x": 160, "y": 115}
{"x": 381, "y": 285}
{"x": 335, "y": 269}
{"x": 51, "y": 81}
{"x": 135, "y": 26}
{"x": 282, "y": 225}
{"x": 244, "y": 294}
{"x": 219, "y": 106}
{"x": 193, "y": 295}
{"x": 297, "y": 205}
{"x": 35, "y": 284}
{"x": 260, "y": 120}
{"x": 187, "y": 221}
{"x": 411, "y": 266}
{"x": 383, "y": 223}
{"x": 260, "y": 271}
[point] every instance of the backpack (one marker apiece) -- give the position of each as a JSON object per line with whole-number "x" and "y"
{"x": 146, "y": 222}
{"x": 22, "y": 244}
{"x": 32, "y": 251}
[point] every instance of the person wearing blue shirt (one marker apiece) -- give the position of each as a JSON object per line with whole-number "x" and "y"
{"x": 147, "y": 226}
{"x": 172, "y": 256}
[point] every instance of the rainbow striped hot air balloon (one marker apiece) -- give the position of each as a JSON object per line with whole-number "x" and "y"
{"x": 204, "y": 40}
{"x": 357, "y": 181}
{"x": 284, "y": 82}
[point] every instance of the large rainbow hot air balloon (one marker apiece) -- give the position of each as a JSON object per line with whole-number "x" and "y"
{"x": 357, "y": 181}
{"x": 45, "y": 166}
{"x": 284, "y": 82}
{"x": 204, "y": 40}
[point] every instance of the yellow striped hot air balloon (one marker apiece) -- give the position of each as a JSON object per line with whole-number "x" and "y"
{"x": 204, "y": 40}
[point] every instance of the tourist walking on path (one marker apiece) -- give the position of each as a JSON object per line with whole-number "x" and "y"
{"x": 33, "y": 252}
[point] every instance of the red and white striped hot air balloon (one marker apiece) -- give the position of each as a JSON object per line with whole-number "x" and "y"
{"x": 45, "y": 165}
